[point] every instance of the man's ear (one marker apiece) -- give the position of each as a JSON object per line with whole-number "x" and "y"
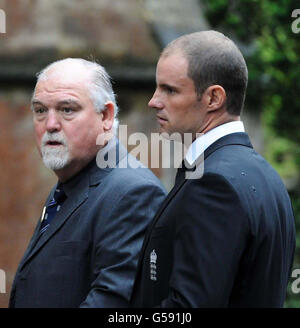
{"x": 108, "y": 116}
{"x": 214, "y": 97}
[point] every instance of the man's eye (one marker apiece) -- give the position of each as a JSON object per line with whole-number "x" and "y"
{"x": 170, "y": 90}
{"x": 39, "y": 110}
{"x": 67, "y": 110}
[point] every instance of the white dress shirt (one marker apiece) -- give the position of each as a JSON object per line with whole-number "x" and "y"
{"x": 204, "y": 141}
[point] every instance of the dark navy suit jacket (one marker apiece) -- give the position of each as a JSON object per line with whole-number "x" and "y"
{"x": 88, "y": 256}
{"x": 224, "y": 240}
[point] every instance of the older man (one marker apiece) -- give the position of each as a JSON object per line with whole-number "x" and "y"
{"x": 85, "y": 247}
{"x": 225, "y": 238}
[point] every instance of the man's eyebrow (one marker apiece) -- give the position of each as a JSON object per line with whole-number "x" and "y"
{"x": 36, "y": 102}
{"x": 62, "y": 102}
{"x": 68, "y": 102}
{"x": 165, "y": 85}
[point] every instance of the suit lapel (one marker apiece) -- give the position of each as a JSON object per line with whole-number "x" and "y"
{"x": 77, "y": 192}
{"x": 164, "y": 204}
{"x": 36, "y": 234}
{"x": 73, "y": 201}
{"x": 239, "y": 138}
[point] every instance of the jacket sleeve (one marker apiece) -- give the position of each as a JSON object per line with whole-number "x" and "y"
{"x": 211, "y": 234}
{"x": 117, "y": 248}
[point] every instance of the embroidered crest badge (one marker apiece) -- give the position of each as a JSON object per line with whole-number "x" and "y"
{"x": 153, "y": 267}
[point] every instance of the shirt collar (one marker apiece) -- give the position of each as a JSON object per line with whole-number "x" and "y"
{"x": 200, "y": 144}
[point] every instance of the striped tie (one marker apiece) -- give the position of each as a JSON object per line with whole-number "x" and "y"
{"x": 53, "y": 207}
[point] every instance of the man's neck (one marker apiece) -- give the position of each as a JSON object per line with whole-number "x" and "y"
{"x": 222, "y": 119}
{"x": 71, "y": 170}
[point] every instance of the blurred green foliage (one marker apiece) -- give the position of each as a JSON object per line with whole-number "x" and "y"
{"x": 263, "y": 31}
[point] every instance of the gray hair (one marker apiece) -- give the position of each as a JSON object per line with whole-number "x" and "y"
{"x": 100, "y": 87}
{"x": 214, "y": 59}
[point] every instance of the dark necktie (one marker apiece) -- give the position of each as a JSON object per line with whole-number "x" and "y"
{"x": 53, "y": 207}
{"x": 180, "y": 175}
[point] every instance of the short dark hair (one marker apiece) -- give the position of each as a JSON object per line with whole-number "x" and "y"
{"x": 214, "y": 59}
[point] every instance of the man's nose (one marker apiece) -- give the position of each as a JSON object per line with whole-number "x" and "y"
{"x": 155, "y": 101}
{"x": 53, "y": 121}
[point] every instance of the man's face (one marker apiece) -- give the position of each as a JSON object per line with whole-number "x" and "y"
{"x": 175, "y": 99}
{"x": 65, "y": 121}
